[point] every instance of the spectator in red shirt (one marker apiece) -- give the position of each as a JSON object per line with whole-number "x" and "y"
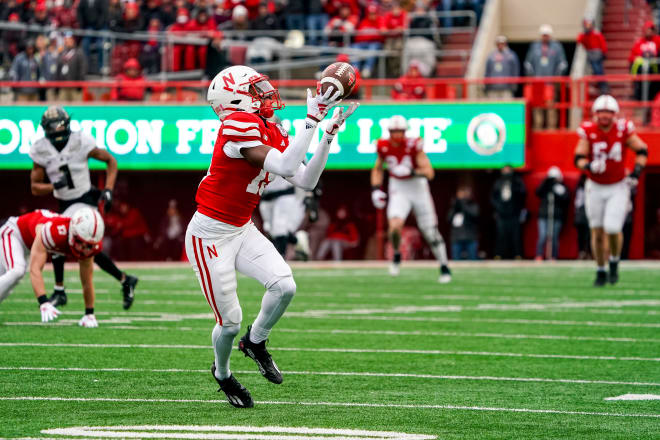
{"x": 369, "y": 37}
{"x": 395, "y": 22}
{"x": 179, "y": 29}
{"x": 643, "y": 60}
{"x": 646, "y": 47}
{"x": 203, "y": 26}
{"x": 411, "y": 85}
{"x": 64, "y": 14}
{"x": 594, "y": 43}
{"x": 332, "y": 7}
{"x": 131, "y": 83}
{"x": 343, "y": 25}
{"x": 342, "y": 234}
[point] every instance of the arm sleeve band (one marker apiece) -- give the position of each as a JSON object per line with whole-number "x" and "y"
{"x": 642, "y": 152}
{"x": 287, "y": 163}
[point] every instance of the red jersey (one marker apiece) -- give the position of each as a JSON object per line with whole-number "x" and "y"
{"x": 404, "y": 154}
{"x": 54, "y": 233}
{"x": 592, "y": 40}
{"x": 608, "y": 147}
{"x": 232, "y": 187}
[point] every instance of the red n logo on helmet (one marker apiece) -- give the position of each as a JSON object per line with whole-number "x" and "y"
{"x": 228, "y": 79}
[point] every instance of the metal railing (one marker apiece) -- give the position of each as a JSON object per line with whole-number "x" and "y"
{"x": 288, "y": 58}
{"x": 559, "y": 94}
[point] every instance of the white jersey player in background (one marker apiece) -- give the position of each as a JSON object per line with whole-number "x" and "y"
{"x": 410, "y": 171}
{"x": 62, "y": 156}
{"x": 282, "y": 210}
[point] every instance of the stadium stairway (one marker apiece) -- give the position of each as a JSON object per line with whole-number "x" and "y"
{"x": 454, "y": 65}
{"x": 621, "y": 27}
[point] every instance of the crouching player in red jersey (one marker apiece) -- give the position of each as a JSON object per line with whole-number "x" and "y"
{"x": 40, "y": 233}
{"x": 600, "y": 153}
{"x": 221, "y": 239}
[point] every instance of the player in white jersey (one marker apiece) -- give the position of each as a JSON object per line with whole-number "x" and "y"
{"x": 62, "y": 156}
{"x": 282, "y": 210}
{"x": 410, "y": 171}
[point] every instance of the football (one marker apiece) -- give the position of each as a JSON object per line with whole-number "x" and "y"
{"x": 339, "y": 76}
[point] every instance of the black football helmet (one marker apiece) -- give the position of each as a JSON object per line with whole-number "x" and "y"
{"x": 56, "y": 124}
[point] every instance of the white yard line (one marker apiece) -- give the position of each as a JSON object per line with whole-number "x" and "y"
{"x": 335, "y": 404}
{"x": 175, "y": 317}
{"x": 487, "y": 320}
{"x": 343, "y": 373}
{"x": 107, "y": 324}
{"x": 344, "y": 350}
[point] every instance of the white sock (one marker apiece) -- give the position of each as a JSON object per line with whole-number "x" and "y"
{"x": 274, "y": 303}
{"x": 614, "y": 259}
{"x": 223, "y": 341}
{"x": 602, "y": 269}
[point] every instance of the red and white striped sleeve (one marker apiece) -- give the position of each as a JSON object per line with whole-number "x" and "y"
{"x": 47, "y": 237}
{"x": 241, "y": 130}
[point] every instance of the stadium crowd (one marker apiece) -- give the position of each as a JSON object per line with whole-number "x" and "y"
{"x": 227, "y": 31}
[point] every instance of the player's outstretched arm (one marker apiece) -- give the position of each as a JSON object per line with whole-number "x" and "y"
{"x": 286, "y": 164}
{"x": 424, "y": 167}
{"x": 86, "y": 268}
{"x": 38, "y": 186}
{"x": 38, "y": 257}
{"x": 308, "y": 175}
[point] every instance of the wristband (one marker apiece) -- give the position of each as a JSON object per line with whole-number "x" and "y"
{"x": 643, "y": 152}
{"x": 376, "y": 187}
{"x": 42, "y": 299}
{"x": 577, "y": 158}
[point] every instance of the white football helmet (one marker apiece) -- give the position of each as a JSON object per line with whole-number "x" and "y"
{"x": 397, "y": 122}
{"x": 86, "y": 233}
{"x": 241, "y": 88}
{"x": 605, "y": 102}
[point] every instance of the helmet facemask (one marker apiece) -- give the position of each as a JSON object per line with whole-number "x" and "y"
{"x": 263, "y": 92}
{"x": 55, "y": 122}
{"x": 81, "y": 249}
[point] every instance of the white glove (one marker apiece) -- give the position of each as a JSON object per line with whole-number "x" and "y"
{"x": 558, "y": 189}
{"x": 379, "y": 198}
{"x": 339, "y": 117}
{"x": 400, "y": 170}
{"x": 48, "y": 312}
{"x": 319, "y": 105}
{"x": 597, "y": 166}
{"x": 88, "y": 321}
{"x": 632, "y": 182}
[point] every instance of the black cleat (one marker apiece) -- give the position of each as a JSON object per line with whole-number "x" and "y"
{"x": 128, "y": 290}
{"x": 613, "y": 277}
{"x": 58, "y": 298}
{"x": 601, "y": 278}
{"x": 263, "y": 359}
{"x": 237, "y": 394}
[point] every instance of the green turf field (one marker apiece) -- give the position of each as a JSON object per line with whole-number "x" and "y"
{"x": 530, "y": 352}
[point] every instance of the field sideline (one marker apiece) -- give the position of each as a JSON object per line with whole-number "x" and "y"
{"x": 507, "y": 350}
